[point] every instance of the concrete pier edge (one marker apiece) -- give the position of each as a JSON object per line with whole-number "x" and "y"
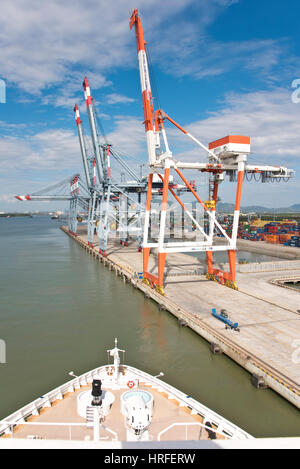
{"x": 273, "y": 379}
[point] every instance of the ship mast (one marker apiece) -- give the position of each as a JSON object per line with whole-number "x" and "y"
{"x": 115, "y": 353}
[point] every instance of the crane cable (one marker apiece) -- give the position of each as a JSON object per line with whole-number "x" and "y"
{"x": 99, "y": 122}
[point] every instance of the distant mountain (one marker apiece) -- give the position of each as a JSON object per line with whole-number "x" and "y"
{"x": 229, "y": 208}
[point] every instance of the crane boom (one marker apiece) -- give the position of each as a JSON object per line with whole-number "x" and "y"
{"x": 82, "y": 145}
{"x": 93, "y": 125}
{"x": 151, "y": 135}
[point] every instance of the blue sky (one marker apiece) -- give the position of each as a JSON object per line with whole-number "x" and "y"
{"x": 221, "y": 67}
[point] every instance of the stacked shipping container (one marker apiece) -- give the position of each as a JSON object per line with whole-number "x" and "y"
{"x": 286, "y": 232}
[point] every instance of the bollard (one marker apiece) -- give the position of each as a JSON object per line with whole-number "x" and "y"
{"x": 215, "y": 349}
{"x": 182, "y": 323}
{"x": 258, "y": 381}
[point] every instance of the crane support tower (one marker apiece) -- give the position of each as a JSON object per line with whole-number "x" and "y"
{"x": 226, "y": 157}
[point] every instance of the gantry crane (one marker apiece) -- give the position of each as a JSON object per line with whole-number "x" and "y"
{"x": 104, "y": 191}
{"x": 227, "y": 157}
{"x": 98, "y": 194}
{"x": 70, "y": 189}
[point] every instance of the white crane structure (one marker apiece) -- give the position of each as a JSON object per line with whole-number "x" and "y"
{"x": 104, "y": 191}
{"x": 113, "y": 205}
{"x": 107, "y": 202}
{"x": 71, "y": 190}
{"x": 226, "y": 157}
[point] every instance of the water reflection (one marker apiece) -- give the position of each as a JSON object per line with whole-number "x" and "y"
{"x": 153, "y": 329}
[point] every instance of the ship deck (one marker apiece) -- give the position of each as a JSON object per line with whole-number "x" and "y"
{"x": 166, "y": 412}
{"x": 56, "y": 417}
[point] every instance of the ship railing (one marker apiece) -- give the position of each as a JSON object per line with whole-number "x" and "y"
{"x": 223, "y": 426}
{"x": 45, "y": 401}
{"x": 211, "y": 431}
{"x": 68, "y": 425}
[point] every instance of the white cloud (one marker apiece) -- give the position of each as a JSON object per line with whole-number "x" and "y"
{"x": 8, "y": 198}
{"x": 198, "y": 55}
{"x": 114, "y": 98}
{"x": 6, "y": 126}
{"x": 33, "y": 161}
{"x": 56, "y": 43}
{"x": 52, "y": 149}
{"x": 268, "y": 117}
{"x": 272, "y": 121}
{"x": 128, "y": 136}
{"x": 41, "y": 42}
{"x": 71, "y": 90}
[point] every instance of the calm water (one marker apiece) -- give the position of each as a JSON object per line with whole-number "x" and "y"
{"x": 61, "y": 309}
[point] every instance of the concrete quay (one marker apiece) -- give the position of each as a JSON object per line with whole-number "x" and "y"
{"x": 268, "y": 344}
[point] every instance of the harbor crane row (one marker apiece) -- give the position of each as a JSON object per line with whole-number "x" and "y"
{"x": 104, "y": 191}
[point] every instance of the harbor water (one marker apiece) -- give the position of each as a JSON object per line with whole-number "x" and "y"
{"x": 61, "y": 310}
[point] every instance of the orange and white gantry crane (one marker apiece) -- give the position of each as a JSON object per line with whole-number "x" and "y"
{"x": 226, "y": 157}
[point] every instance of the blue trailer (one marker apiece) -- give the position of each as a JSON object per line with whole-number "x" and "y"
{"x": 222, "y": 316}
